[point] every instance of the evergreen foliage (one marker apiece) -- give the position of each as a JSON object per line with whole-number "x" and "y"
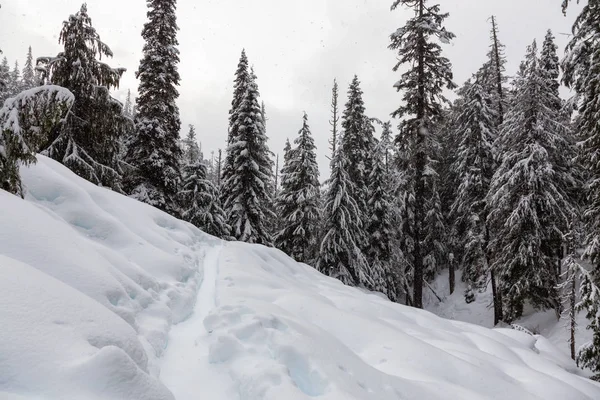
{"x": 154, "y": 152}
{"x": 247, "y": 178}
{"x": 26, "y": 121}
{"x": 298, "y": 202}
{"x": 340, "y": 255}
{"x": 422, "y": 84}
{"x": 88, "y": 142}
{"x": 28, "y": 72}
{"x": 528, "y": 203}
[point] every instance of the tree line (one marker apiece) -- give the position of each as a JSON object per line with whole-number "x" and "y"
{"x": 500, "y": 186}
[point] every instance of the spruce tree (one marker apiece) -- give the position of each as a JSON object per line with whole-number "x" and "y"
{"x": 588, "y": 355}
{"x": 492, "y": 74}
{"x": 15, "y": 85}
{"x": 298, "y": 202}
{"x": 191, "y": 152}
{"x": 340, "y": 255}
{"x": 154, "y": 152}
{"x": 5, "y": 80}
{"x": 128, "y": 107}
{"x": 357, "y": 144}
{"x": 28, "y": 72}
{"x": 581, "y": 68}
{"x": 88, "y": 143}
{"x": 240, "y": 85}
{"x": 380, "y": 226}
{"x": 422, "y": 84}
{"x": 334, "y": 118}
{"x": 26, "y": 121}
{"x": 200, "y": 203}
{"x": 475, "y": 130}
{"x": 528, "y": 201}
{"x": 247, "y": 178}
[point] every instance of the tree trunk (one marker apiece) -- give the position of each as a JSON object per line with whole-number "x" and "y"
{"x": 497, "y": 300}
{"x": 572, "y": 314}
{"x": 451, "y": 276}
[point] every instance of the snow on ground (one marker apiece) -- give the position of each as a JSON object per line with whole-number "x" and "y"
{"x": 543, "y": 324}
{"x": 102, "y": 297}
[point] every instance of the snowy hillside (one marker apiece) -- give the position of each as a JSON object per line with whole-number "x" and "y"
{"x": 102, "y": 297}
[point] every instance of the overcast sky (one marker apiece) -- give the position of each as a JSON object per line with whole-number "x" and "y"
{"x": 297, "y": 49}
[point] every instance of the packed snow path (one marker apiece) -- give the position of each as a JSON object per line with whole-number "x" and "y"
{"x": 105, "y": 298}
{"x": 186, "y": 369}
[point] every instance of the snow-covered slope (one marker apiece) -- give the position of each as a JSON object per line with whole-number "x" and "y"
{"x": 102, "y": 297}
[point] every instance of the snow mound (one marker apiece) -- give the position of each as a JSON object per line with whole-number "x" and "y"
{"x": 102, "y": 297}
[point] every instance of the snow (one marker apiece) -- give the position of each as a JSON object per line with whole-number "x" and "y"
{"x": 102, "y": 297}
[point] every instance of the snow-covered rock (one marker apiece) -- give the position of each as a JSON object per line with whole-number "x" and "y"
{"x": 102, "y": 297}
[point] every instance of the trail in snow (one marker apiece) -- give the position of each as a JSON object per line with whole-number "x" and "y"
{"x": 185, "y": 369}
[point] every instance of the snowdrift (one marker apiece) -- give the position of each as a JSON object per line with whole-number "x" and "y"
{"x": 102, "y": 297}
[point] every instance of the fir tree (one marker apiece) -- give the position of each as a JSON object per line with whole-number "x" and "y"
{"x": 200, "y": 204}
{"x": 380, "y": 226}
{"x": 334, "y": 118}
{"x": 88, "y": 143}
{"x": 154, "y": 152}
{"x": 298, "y": 202}
{"x": 128, "y": 107}
{"x": 581, "y": 70}
{"x": 191, "y": 152}
{"x": 240, "y": 85}
{"x": 28, "y": 72}
{"x": 528, "y": 202}
{"x": 340, "y": 256}
{"x": 549, "y": 63}
{"x": 14, "y": 81}
{"x": 492, "y": 74}
{"x": 26, "y": 120}
{"x": 427, "y": 76}
{"x": 588, "y": 355}
{"x": 475, "y": 130}
{"x": 357, "y": 144}
{"x": 5, "y": 80}
{"x": 248, "y": 173}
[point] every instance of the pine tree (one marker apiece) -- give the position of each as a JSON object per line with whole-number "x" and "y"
{"x": 298, "y": 202}
{"x": 581, "y": 68}
{"x": 588, "y": 355}
{"x": 380, "y": 226}
{"x": 528, "y": 201}
{"x": 89, "y": 141}
{"x": 340, "y": 256}
{"x": 25, "y": 122}
{"x": 248, "y": 173}
{"x": 549, "y": 63}
{"x": 492, "y": 74}
{"x": 240, "y": 85}
{"x": 200, "y": 204}
{"x": 154, "y": 152}
{"x": 128, "y": 107}
{"x": 357, "y": 144}
{"x": 334, "y": 118}
{"x": 191, "y": 152}
{"x": 28, "y": 72}
{"x": 423, "y": 83}
{"x": 5, "y": 79}
{"x": 14, "y": 85}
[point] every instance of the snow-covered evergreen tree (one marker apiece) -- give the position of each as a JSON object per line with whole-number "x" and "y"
{"x": 297, "y": 205}
{"x": 549, "y": 63}
{"x": 475, "y": 131}
{"x": 128, "y": 107}
{"x": 588, "y": 355}
{"x": 14, "y": 82}
{"x": 26, "y": 121}
{"x": 422, "y": 84}
{"x": 240, "y": 84}
{"x": 5, "y": 80}
{"x": 381, "y": 226}
{"x": 335, "y": 118}
{"x": 492, "y": 75}
{"x": 528, "y": 201}
{"x": 154, "y": 152}
{"x": 340, "y": 255}
{"x": 28, "y": 72}
{"x": 581, "y": 70}
{"x": 247, "y": 176}
{"x": 357, "y": 143}
{"x": 200, "y": 203}
{"x": 89, "y": 141}
{"x": 191, "y": 152}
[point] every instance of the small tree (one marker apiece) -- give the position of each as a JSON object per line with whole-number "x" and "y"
{"x": 589, "y": 354}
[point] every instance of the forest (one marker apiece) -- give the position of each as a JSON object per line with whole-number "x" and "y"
{"x": 501, "y": 186}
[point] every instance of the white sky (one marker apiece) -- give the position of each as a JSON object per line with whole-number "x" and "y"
{"x": 297, "y": 49}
